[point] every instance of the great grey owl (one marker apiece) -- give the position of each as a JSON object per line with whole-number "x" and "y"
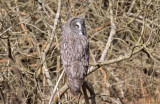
{"x": 75, "y": 53}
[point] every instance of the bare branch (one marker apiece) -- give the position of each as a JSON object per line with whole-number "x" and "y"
{"x": 55, "y": 88}
{"x": 112, "y": 33}
{"x": 49, "y": 45}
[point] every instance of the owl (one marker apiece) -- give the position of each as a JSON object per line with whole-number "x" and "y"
{"x": 75, "y": 53}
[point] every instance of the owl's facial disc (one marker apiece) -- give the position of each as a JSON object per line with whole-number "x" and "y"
{"x": 77, "y": 26}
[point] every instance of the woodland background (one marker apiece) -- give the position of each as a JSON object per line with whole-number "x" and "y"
{"x": 124, "y": 37}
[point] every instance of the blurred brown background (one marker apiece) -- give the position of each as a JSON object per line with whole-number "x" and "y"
{"x": 124, "y": 37}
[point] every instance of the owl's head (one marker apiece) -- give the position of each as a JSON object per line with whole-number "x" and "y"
{"x": 77, "y": 25}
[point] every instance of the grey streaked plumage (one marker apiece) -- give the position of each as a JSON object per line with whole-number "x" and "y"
{"x": 75, "y": 53}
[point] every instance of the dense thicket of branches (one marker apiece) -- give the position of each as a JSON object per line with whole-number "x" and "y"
{"x": 124, "y": 38}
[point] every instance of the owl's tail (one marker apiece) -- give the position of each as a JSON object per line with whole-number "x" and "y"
{"x": 75, "y": 85}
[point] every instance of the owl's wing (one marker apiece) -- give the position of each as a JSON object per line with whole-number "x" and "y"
{"x": 74, "y": 48}
{"x": 67, "y": 50}
{"x": 85, "y": 57}
{"x": 75, "y": 56}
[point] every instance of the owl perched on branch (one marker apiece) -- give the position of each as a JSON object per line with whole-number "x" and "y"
{"x": 75, "y": 53}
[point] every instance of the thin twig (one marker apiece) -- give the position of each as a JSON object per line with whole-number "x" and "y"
{"x": 132, "y": 5}
{"x": 126, "y": 56}
{"x": 61, "y": 92}
{"x": 55, "y": 88}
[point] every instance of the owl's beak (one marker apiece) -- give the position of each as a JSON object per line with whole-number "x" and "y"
{"x": 84, "y": 31}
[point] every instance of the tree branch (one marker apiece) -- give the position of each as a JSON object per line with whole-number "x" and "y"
{"x": 49, "y": 45}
